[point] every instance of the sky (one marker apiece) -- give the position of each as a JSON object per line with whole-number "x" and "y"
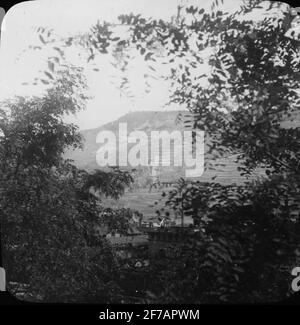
{"x": 68, "y": 18}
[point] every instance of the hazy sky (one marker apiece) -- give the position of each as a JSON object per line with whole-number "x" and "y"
{"x": 70, "y": 18}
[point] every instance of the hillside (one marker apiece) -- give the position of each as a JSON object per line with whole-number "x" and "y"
{"x": 225, "y": 172}
{"x": 143, "y": 121}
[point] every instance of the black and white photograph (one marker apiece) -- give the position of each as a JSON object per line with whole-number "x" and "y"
{"x": 150, "y": 152}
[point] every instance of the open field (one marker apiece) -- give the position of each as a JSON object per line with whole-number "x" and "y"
{"x": 144, "y": 201}
{"x": 141, "y": 200}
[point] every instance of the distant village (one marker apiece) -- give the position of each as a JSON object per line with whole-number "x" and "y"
{"x": 147, "y": 243}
